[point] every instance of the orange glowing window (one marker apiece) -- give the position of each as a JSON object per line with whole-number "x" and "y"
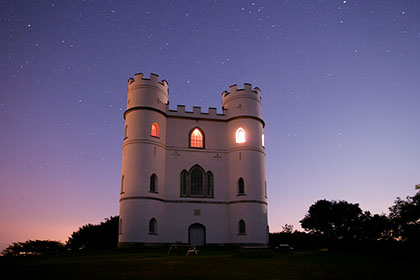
{"x": 240, "y": 135}
{"x": 196, "y": 139}
{"x": 155, "y": 130}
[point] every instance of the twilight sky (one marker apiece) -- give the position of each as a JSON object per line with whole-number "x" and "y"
{"x": 340, "y": 83}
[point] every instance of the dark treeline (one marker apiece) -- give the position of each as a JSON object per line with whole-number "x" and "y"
{"x": 344, "y": 225}
{"x": 87, "y": 237}
{"x": 328, "y": 224}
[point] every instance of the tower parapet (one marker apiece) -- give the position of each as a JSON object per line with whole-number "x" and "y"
{"x": 153, "y": 81}
{"x": 242, "y": 102}
{"x": 147, "y": 92}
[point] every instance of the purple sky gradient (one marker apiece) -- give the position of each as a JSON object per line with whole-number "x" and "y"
{"x": 340, "y": 83}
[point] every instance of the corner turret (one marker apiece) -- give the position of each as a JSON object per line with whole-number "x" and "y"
{"x": 147, "y": 92}
{"x": 242, "y": 102}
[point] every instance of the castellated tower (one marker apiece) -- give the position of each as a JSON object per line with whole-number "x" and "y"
{"x": 191, "y": 176}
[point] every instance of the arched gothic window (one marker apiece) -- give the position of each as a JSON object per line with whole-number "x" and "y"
{"x": 209, "y": 184}
{"x": 241, "y": 186}
{"x": 197, "y": 138}
{"x": 240, "y": 135}
{"x": 155, "y": 130}
{"x": 153, "y": 183}
{"x": 196, "y": 182}
{"x": 152, "y": 226}
{"x": 184, "y": 183}
{"x": 241, "y": 227}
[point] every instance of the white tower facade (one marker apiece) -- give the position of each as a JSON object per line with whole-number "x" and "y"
{"x": 192, "y": 177}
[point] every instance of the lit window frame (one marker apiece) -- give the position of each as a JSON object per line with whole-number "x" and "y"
{"x": 190, "y": 138}
{"x": 240, "y": 136}
{"x": 154, "y": 130}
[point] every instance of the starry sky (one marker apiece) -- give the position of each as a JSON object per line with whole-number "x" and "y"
{"x": 340, "y": 83}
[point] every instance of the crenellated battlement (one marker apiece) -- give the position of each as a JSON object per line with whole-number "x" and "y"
{"x": 195, "y": 113}
{"x": 139, "y": 80}
{"x": 246, "y": 91}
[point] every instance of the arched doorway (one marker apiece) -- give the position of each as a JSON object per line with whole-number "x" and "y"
{"x": 197, "y": 234}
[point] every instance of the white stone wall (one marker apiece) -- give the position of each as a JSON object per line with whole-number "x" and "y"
{"x": 169, "y": 154}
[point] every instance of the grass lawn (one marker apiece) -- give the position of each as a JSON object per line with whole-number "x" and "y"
{"x": 210, "y": 264}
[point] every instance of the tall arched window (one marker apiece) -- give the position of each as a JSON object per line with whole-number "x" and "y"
{"x": 197, "y": 181}
{"x": 155, "y": 130}
{"x": 240, "y": 135}
{"x": 241, "y": 186}
{"x": 241, "y": 227}
{"x": 153, "y": 183}
{"x": 152, "y": 226}
{"x": 196, "y": 138}
{"x": 209, "y": 184}
{"x": 184, "y": 182}
{"x": 126, "y": 132}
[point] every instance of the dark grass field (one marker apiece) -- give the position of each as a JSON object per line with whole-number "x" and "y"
{"x": 211, "y": 264}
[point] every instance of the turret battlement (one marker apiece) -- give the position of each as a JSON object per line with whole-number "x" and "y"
{"x": 139, "y": 80}
{"x": 246, "y": 91}
{"x": 195, "y": 113}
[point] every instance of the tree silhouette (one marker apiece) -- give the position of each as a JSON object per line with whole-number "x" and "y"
{"x": 405, "y": 219}
{"x": 33, "y": 247}
{"x": 89, "y": 237}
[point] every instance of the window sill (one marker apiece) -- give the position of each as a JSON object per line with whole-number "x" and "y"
{"x": 241, "y": 234}
{"x": 153, "y": 192}
{"x": 241, "y": 194}
{"x": 153, "y": 233}
{"x": 155, "y": 136}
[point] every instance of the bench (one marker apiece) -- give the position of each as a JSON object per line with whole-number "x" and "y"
{"x": 188, "y": 247}
{"x": 285, "y": 247}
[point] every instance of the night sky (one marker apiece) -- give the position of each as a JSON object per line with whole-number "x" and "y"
{"x": 340, "y": 84}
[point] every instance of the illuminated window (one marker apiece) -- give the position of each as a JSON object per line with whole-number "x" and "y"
{"x": 155, "y": 130}
{"x": 196, "y": 138}
{"x": 262, "y": 140}
{"x": 152, "y": 226}
{"x": 153, "y": 183}
{"x": 240, "y": 135}
{"x": 241, "y": 227}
